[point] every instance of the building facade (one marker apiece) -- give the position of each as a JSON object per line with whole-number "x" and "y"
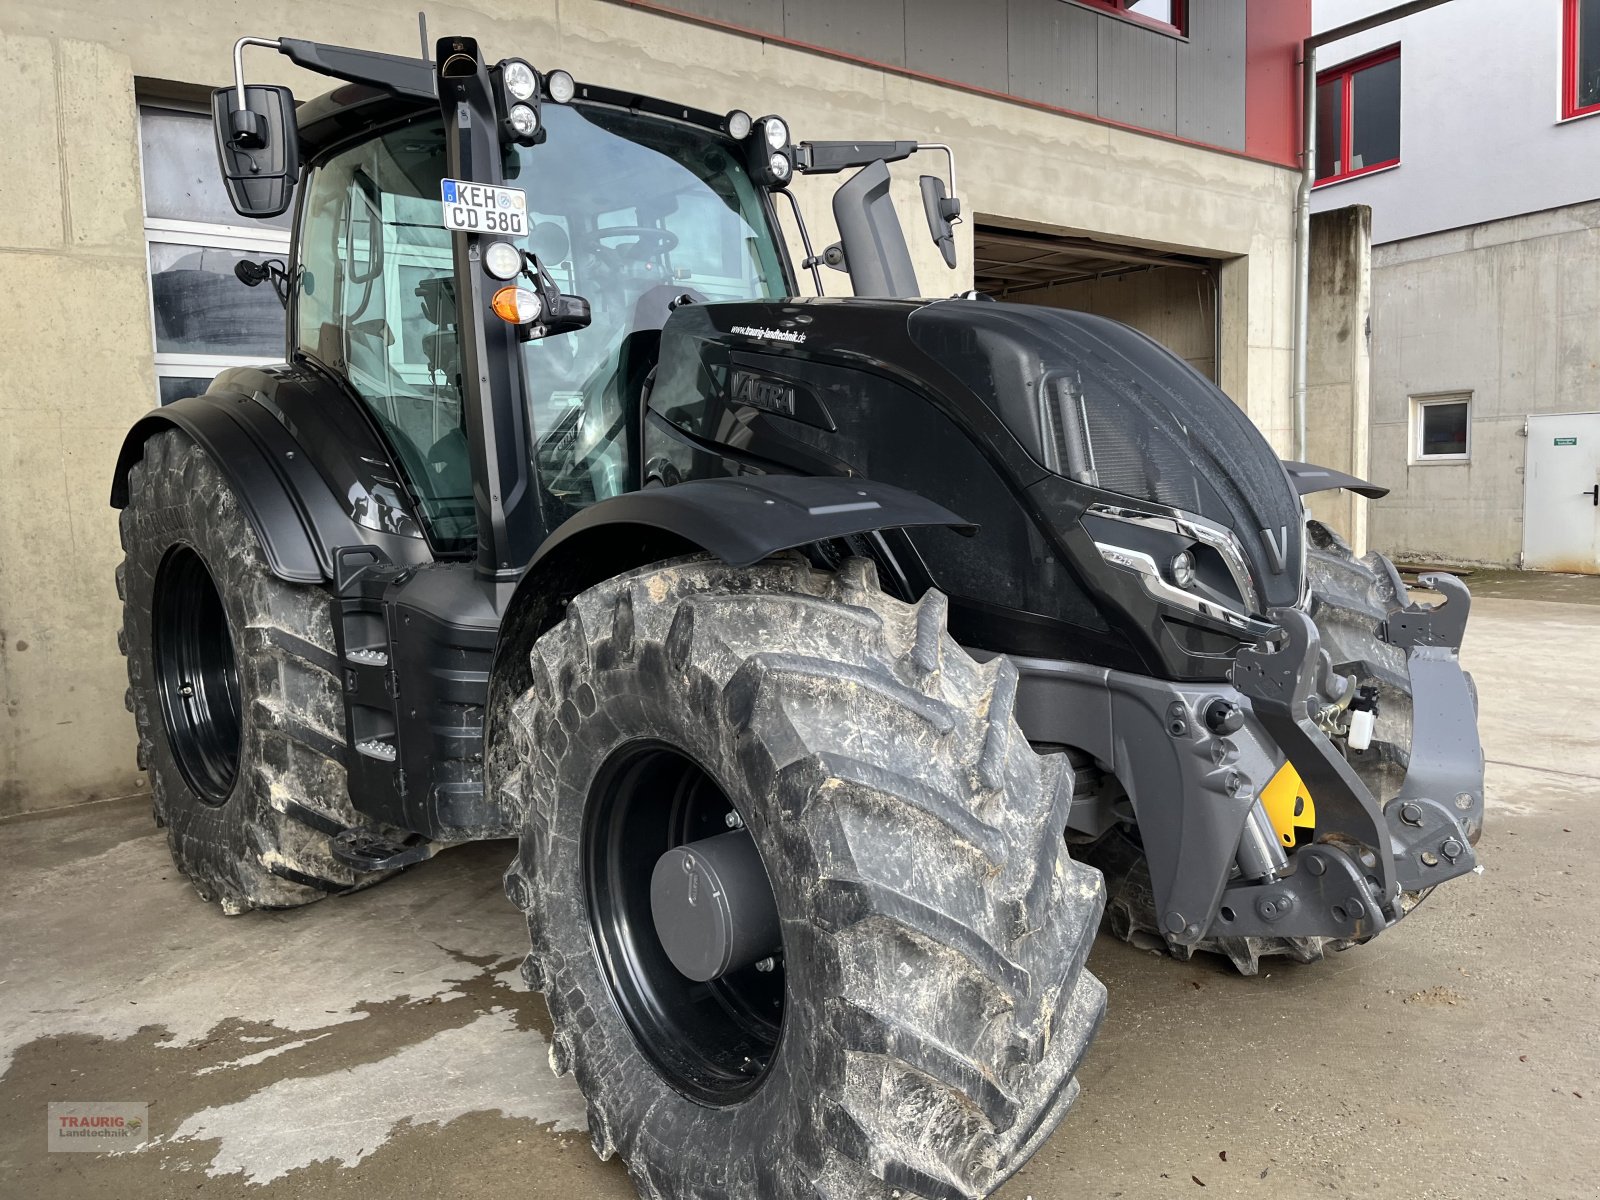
{"x": 1472, "y": 132}
{"x": 1137, "y": 155}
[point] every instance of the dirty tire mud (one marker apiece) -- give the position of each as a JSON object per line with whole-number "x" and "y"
{"x": 917, "y": 1030}
{"x": 1350, "y": 598}
{"x": 234, "y": 689}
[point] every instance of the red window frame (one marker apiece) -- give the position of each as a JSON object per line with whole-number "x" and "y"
{"x": 1343, "y": 73}
{"x": 1569, "y": 64}
{"x": 1178, "y": 25}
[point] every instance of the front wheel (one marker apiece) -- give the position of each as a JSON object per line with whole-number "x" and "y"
{"x": 797, "y": 889}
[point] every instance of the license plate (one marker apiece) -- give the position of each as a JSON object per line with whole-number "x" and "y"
{"x": 480, "y": 208}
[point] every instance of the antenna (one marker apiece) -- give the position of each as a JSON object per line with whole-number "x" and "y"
{"x": 422, "y": 32}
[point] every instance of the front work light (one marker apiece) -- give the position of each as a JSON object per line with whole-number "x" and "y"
{"x": 517, "y": 100}
{"x": 560, "y": 87}
{"x": 523, "y": 120}
{"x": 770, "y": 160}
{"x": 517, "y": 305}
{"x": 775, "y": 131}
{"x": 520, "y": 79}
{"x": 737, "y": 123}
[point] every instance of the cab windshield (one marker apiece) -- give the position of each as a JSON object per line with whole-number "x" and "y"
{"x": 625, "y": 210}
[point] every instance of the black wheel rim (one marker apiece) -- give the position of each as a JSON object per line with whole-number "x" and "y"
{"x": 197, "y": 675}
{"x": 716, "y": 1041}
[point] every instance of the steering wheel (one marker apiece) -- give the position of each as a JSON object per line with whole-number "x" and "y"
{"x": 647, "y": 239}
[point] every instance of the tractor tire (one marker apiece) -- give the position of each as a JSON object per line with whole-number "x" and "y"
{"x": 917, "y": 1029}
{"x": 234, "y": 688}
{"x": 1350, "y": 598}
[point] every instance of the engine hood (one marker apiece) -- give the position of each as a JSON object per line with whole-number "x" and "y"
{"x": 1090, "y": 401}
{"x": 1099, "y": 403}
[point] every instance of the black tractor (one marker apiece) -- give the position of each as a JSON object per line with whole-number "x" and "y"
{"x": 837, "y": 663}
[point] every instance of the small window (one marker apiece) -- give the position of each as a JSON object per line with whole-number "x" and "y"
{"x": 1580, "y": 91}
{"x": 1170, "y": 16}
{"x": 204, "y": 318}
{"x": 1358, "y": 117}
{"x": 1442, "y": 430}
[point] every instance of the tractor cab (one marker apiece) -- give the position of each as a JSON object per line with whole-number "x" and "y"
{"x": 446, "y": 209}
{"x": 632, "y": 212}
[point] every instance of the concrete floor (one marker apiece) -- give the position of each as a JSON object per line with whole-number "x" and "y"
{"x": 382, "y": 1044}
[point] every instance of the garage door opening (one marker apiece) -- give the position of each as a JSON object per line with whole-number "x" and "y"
{"x": 1171, "y": 297}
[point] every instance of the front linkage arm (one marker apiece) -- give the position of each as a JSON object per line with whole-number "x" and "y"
{"x": 1349, "y": 883}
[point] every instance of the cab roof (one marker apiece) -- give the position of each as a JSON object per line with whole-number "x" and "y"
{"x": 352, "y": 108}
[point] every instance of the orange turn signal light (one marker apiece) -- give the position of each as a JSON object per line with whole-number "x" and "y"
{"x": 517, "y": 305}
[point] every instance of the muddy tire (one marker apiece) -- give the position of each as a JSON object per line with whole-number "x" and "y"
{"x": 916, "y": 1032}
{"x": 1350, "y": 598}
{"x": 233, "y": 685}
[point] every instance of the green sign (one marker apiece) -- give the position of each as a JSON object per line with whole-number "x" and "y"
{"x": 1566, "y": 441}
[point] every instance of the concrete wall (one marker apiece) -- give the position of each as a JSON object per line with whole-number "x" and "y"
{"x": 1509, "y": 311}
{"x": 75, "y": 337}
{"x": 1174, "y": 305}
{"x": 1481, "y": 134}
{"x": 1339, "y": 368}
{"x": 75, "y": 347}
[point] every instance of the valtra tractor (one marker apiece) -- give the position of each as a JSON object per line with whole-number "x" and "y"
{"x": 836, "y": 662}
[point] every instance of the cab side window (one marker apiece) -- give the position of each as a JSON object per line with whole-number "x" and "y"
{"x": 374, "y": 302}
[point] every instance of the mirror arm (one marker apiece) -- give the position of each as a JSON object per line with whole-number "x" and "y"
{"x": 247, "y": 127}
{"x": 562, "y": 313}
{"x": 810, "y": 261}
{"x": 829, "y": 158}
{"x": 950, "y": 156}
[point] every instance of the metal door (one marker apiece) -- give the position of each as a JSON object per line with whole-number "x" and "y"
{"x": 1561, "y": 497}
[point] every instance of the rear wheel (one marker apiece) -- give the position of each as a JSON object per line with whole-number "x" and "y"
{"x": 797, "y": 889}
{"x": 234, "y": 689}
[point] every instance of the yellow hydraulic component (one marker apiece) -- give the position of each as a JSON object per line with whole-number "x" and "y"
{"x": 1289, "y": 807}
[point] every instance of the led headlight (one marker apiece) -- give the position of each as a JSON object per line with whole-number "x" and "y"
{"x": 520, "y": 79}
{"x": 502, "y": 260}
{"x": 1182, "y": 568}
{"x": 737, "y": 123}
{"x": 1205, "y": 575}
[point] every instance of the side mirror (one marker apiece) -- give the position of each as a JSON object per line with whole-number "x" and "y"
{"x": 543, "y": 310}
{"x": 941, "y": 210}
{"x": 258, "y": 147}
{"x": 567, "y": 314}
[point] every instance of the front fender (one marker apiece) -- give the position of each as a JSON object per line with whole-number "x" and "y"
{"x": 740, "y": 520}
{"x": 747, "y": 518}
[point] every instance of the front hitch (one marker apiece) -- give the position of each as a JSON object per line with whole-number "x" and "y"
{"x": 1349, "y": 883}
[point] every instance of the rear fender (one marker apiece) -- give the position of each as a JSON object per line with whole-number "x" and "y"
{"x": 297, "y": 518}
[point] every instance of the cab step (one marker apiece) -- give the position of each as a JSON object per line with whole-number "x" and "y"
{"x": 368, "y": 850}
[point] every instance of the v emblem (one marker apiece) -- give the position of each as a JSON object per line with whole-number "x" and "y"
{"x": 1277, "y": 549}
